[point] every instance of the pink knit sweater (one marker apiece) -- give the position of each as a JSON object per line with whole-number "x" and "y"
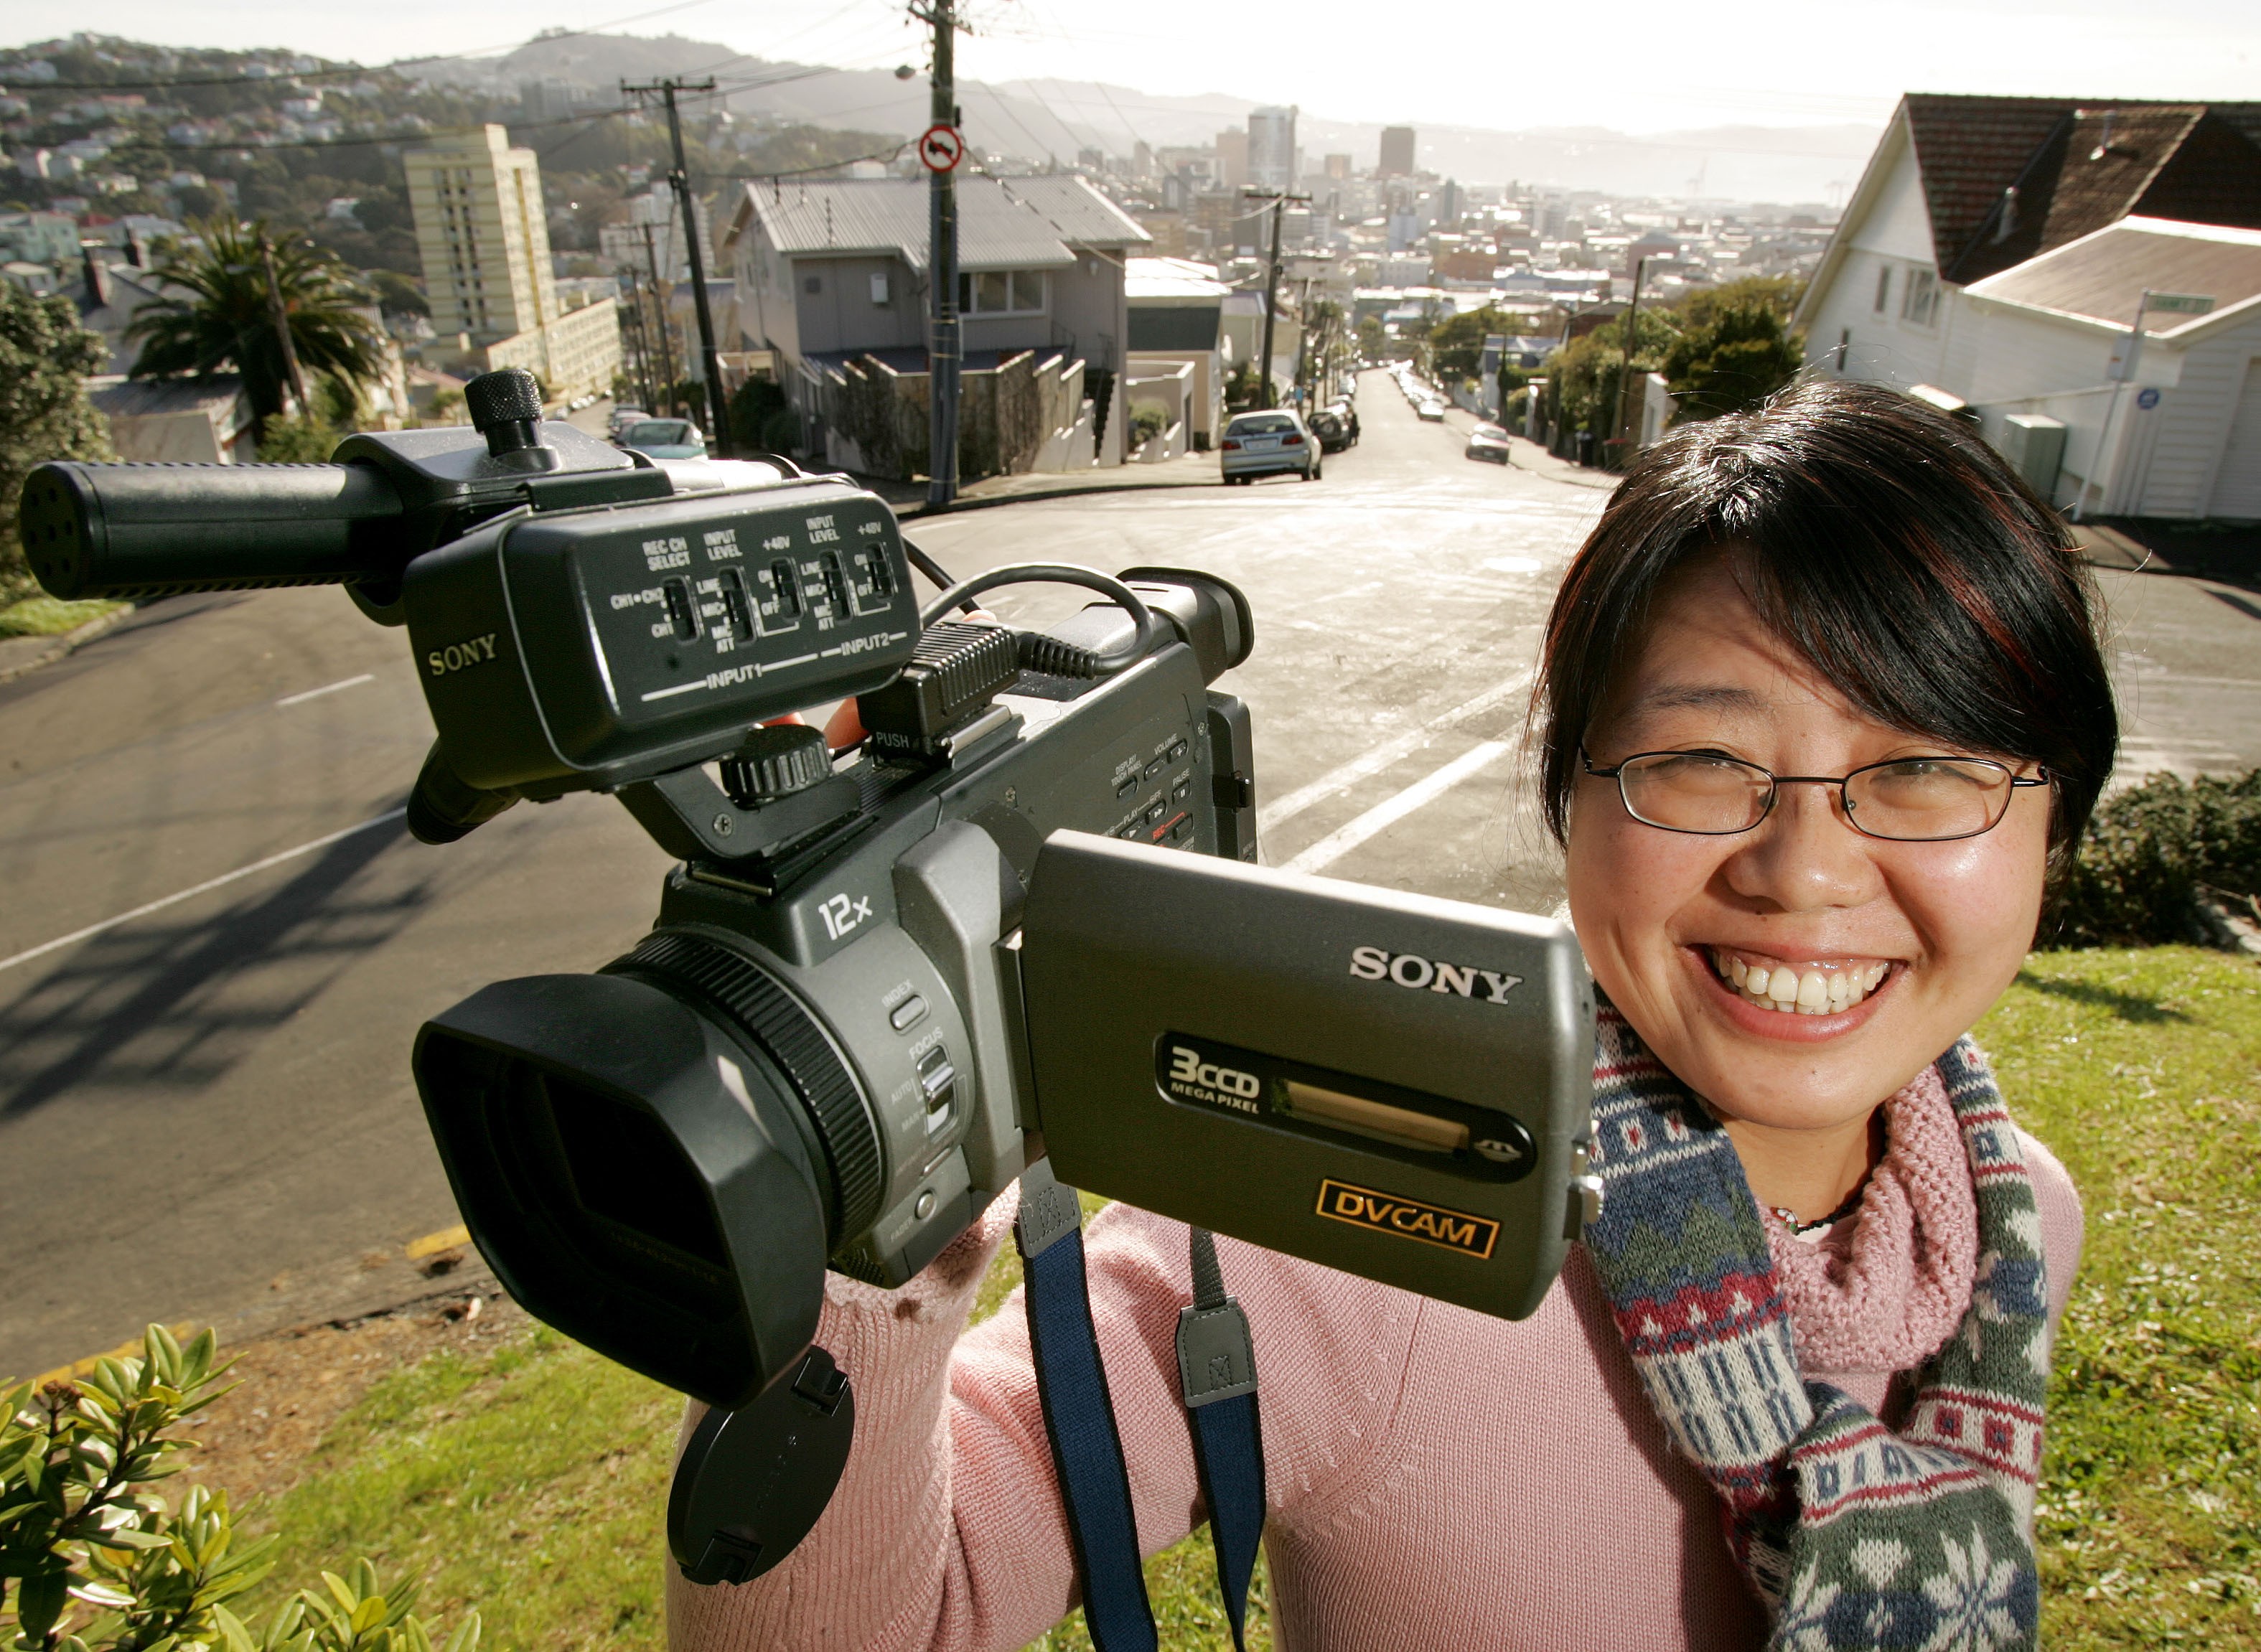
{"x": 1434, "y": 1477}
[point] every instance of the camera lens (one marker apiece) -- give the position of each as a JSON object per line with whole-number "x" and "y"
{"x": 713, "y": 978}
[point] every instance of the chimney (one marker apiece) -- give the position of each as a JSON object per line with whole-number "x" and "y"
{"x": 98, "y": 275}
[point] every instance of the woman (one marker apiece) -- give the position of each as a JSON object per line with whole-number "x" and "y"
{"x": 1821, "y": 701}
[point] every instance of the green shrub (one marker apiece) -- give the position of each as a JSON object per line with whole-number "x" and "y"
{"x": 1148, "y": 420}
{"x": 2148, "y": 856}
{"x": 98, "y": 1562}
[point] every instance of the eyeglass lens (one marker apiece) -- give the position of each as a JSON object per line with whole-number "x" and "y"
{"x": 1922, "y": 798}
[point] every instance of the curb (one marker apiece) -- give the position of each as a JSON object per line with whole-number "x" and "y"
{"x": 1078, "y": 491}
{"x": 445, "y": 1255}
{"x": 19, "y": 655}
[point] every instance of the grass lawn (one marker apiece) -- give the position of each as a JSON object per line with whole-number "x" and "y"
{"x": 44, "y": 615}
{"x": 531, "y": 1480}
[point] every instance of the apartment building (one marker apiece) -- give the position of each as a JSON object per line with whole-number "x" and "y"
{"x": 484, "y": 242}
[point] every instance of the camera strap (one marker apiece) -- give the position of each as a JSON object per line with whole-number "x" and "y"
{"x": 1217, "y": 1377}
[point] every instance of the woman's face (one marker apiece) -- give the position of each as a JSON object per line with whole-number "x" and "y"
{"x": 1666, "y": 917}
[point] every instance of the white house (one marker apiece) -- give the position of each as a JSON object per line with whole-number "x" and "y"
{"x": 2180, "y": 435}
{"x": 1974, "y": 259}
{"x": 1176, "y": 321}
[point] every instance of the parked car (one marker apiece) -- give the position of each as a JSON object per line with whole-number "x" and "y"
{"x": 665, "y": 439}
{"x": 1331, "y": 430}
{"x": 1429, "y": 411}
{"x": 1489, "y": 442}
{"x": 1274, "y": 442}
{"x": 617, "y": 425}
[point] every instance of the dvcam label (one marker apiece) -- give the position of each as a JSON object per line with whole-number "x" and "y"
{"x": 1408, "y": 1219}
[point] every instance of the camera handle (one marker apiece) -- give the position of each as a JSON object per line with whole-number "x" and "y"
{"x": 1218, "y": 1376}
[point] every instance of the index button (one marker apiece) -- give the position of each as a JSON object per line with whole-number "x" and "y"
{"x": 909, "y": 1013}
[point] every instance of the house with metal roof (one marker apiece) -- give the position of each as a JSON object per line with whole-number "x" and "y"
{"x": 1961, "y": 188}
{"x": 832, "y": 277}
{"x": 2166, "y": 425}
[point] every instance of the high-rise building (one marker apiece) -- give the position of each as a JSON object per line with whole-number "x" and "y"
{"x": 1338, "y": 168}
{"x": 484, "y": 237}
{"x": 1272, "y": 148}
{"x": 1233, "y": 157}
{"x": 1396, "y": 152}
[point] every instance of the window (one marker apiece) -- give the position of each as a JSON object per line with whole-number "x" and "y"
{"x": 879, "y": 287}
{"x": 1883, "y": 287}
{"x": 811, "y": 284}
{"x": 1002, "y": 292}
{"x": 1918, "y": 296}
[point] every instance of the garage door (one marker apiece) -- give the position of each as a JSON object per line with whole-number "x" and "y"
{"x": 2237, "y": 488}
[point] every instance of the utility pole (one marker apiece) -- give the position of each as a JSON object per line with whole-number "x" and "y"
{"x": 945, "y": 341}
{"x": 282, "y": 330}
{"x": 659, "y": 310}
{"x": 1279, "y": 200}
{"x": 642, "y": 340}
{"x": 1624, "y": 367}
{"x": 718, "y": 402}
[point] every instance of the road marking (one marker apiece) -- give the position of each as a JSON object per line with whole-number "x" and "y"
{"x": 432, "y": 1244}
{"x": 144, "y": 910}
{"x": 1282, "y": 810}
{"x": 1382, "y": 816}
{"x": 327, "y": 688}
{"x": 130, "y": 1351}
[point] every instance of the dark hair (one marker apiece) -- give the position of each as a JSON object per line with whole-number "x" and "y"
{"x": 1889, "y": 546}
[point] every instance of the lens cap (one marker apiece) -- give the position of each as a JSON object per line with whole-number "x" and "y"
{"x": 751, "y": 1481}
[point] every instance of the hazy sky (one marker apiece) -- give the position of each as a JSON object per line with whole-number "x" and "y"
{"x": 1664, "y": 66}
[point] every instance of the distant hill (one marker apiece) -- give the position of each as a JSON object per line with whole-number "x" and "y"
{"x": 1037, "y": 120}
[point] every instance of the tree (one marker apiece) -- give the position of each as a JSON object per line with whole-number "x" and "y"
{"x": 219, "y": 308}
{"x": 1456, "y": 347}
{"x": 45, "y": 356}
{"x": 1582, "y": 377}
{"x": 1735, "y": 347}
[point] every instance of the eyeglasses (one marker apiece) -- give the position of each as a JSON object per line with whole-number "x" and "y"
{"x": 1907, "y": 800}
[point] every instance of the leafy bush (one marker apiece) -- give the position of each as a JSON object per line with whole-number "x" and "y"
{"x": 2148, "y": 855}
{"x": 99, "y": 1563}
{"x": 1741, "y": 354}
{"x": 44, "y": 355}
{"x": 1148, "y": 420}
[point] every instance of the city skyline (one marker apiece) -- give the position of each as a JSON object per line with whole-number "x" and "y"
{"x": 1837, "y": 65}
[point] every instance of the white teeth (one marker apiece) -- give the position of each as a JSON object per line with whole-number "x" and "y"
{"x": 1784, "y": 987}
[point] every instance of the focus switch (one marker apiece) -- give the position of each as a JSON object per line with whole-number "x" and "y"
{"x": 937, "y": 1078}
{"x": 909, "y": 1013}
{"x": 774, "y": 762}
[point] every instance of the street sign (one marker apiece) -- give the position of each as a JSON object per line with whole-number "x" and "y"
{"x": 940, "y": 148}
{"x": 2180, "y": 304}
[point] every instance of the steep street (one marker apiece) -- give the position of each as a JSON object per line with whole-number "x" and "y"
{"x": 205, "y": 1110}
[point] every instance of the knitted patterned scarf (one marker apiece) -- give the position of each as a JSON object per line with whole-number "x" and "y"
{"x": 1855, "y": 1535}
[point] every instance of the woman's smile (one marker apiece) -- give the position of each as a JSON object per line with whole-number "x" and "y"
{"x": 1796, "y": 1000}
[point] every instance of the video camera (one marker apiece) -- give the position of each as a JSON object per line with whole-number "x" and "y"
{"x": 884, "y": 985}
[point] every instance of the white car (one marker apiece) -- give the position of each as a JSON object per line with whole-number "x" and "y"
{"x": 1429, "y": 411}
{"x": 1274, "y": 442}
{"x": 1487, "y": 442}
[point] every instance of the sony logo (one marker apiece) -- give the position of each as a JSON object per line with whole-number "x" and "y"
{"x": 1376, "y": 963}
{"x": 457, "y": 655}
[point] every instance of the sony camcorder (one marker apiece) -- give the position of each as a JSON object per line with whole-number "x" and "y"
{"x": 883, "y": 984}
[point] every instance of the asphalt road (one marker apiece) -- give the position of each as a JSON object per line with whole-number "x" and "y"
{"x": 205, "y": 1110}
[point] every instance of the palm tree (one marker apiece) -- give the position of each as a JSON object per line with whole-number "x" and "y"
{"x": 277, "y": 308}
